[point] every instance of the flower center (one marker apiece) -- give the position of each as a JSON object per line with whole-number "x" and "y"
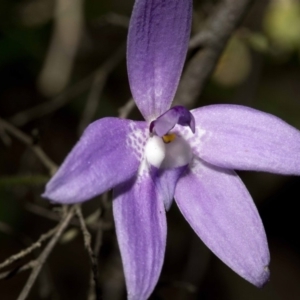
{"x": 155, "y": 151}
{"x": 168, "y": 138}
{"x": 165, "y": 149}
{"x": 167, "y": 152}
{"x": 178, "y": 153}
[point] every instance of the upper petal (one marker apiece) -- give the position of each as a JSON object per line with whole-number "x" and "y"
{"x": 219, "y": 208}
{"x": 157, "y": 44}
{"x": 140, "y": 222}
{"x": 108, "y": 153}
{"x": 239, "y": 137}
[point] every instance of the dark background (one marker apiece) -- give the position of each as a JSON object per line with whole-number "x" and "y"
{"x": 259, "y": 68}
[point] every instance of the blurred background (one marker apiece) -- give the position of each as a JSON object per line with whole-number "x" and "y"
{"x": 62, "y": 65}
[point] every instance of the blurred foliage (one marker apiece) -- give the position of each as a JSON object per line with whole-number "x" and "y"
{"x": 234, "y": 64}
{"x": 282, "y": 25}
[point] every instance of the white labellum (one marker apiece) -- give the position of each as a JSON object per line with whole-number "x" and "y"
{"x": 155, "y": 151}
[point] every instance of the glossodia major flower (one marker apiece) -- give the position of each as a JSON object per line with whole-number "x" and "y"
{"x": 175, "y": 153}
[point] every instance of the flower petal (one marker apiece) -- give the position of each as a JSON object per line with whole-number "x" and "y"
{"x": 140, "y": 222}
{"x": 175, "y": 115}
{"x": 239, "y": 137}
{"x": 166, "y": 183}
{"x": 219, "y": 208}
{"x": 108, "y": 153}
{"x": 157, "y": 44}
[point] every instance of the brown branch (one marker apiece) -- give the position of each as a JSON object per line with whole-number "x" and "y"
{"x": 9, "y": 274}
{"x": 44, "y": 255}
{"x": 46, "y": 213}
{"x": 97, "y": 246}
{"x": 28, "y": 250}
{"x": 211, "y": 40}
{"x": 87, "y": 242}
{"x": 27, "y": 140}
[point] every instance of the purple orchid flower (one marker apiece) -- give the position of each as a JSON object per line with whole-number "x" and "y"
{"x": 189, "y": 156}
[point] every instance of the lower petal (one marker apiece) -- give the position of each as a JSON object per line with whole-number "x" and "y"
{"x": 166, "y": 183}
{"x": 108, "y": 153}
{"x": 140, "y": 223}
{"x": 219, "y": 208}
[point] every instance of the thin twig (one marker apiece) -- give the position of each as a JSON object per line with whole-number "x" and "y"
{"x": 211, "y": 40}
{"x": 28, "y": 250}
{"x": 87, "y": 242}
{"x": 98, "y": 84}
{"x": 46, "y": 213}
{"x": 44, "y": 255}
{"x": 9, "y": 274}
{"x": 97, "y": 246}
{"x": 47, "y": 162}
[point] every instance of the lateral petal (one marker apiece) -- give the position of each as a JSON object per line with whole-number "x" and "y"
{"x": 140, "y": 222}
{"x": 219, "y": 208}
{"x": 108, "y": 153}
{"x": 157, "y": 43}
{"x": 239, "y": 137}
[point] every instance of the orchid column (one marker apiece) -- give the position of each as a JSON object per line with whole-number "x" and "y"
{"x": 175, "y": 153}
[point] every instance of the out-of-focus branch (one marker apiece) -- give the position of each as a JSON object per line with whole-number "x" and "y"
{"x": 57, "y": 102}
{"x": 59, "y": 61}
{"x": 211, "y": 41}
{"x": 87, "y": 242}
{"x": 47, "y": 162}
{"x": 125, "y": 110}
{"x": 38, "y": 111}
{"x": 46, "y": 213}
{"x": 44, "y": 255}
{"x": 114, "y": 19}
{"x": 98, "y": 84}
{"x": 23, "y": 180}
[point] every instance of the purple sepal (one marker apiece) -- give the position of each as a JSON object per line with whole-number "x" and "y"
{"x": 219, "y": 208}
{"x": 157, "y": 43}
{"x": 140, "y": 221}
{"x": 175, "y": 115}
{"x": 108, "y": 153}
{"x": 242, "y": 138}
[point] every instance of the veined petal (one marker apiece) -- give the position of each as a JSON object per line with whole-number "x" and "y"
{"x": 140, "y": 222}
{"x": 157, "y": 44}
{"x": 108, "y": 153}
{"x": 239, "y": 137}
{"x": 219, "y": 208}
